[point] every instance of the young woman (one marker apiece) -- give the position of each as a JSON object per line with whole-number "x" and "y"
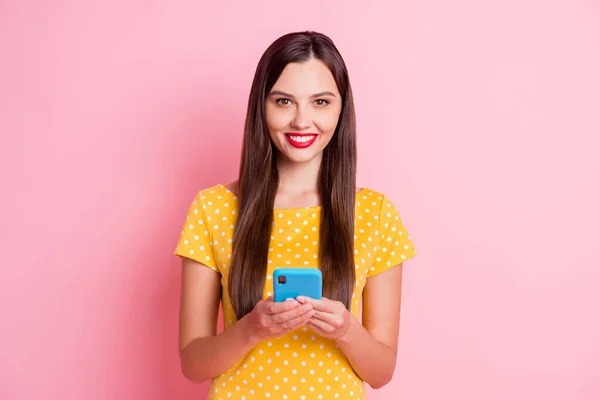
{"x": 295, "y": 204}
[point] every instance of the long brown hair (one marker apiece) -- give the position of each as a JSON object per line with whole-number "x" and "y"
{"x": 259, "y": 179}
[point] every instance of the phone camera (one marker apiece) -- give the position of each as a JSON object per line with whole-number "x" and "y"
{"x": 281, "y": 279}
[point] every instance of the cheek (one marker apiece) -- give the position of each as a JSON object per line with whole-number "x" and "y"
{"x": 276, "y": 119}
{"x": 327, "y": 121}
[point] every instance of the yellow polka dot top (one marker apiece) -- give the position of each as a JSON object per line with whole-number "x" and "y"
{"x": 301, "y": 364}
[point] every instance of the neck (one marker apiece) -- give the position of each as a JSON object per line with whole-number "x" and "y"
{"x": 298, "y": 177}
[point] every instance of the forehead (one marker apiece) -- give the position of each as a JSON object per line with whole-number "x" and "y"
{"x": 306, "y": 78}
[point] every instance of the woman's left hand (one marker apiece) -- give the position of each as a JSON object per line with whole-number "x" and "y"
{"x": 331, "y": 320}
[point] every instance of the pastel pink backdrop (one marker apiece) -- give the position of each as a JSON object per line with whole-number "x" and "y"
{"x": 479, "y": 119}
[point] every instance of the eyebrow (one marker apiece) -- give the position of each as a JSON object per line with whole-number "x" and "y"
{"x": 280, "y": 93}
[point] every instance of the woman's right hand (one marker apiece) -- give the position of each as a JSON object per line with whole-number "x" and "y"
{"x": 271, "y": 319}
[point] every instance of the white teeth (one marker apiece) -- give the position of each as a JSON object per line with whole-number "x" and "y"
{"x": 301, "y": 139}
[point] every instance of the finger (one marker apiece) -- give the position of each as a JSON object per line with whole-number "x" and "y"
{"x": 290, "y": 314}
{"x": 279, "y": 307}
{"x": 321, "y": 326}
{"x": 296, "y": 322}
{"x": 325, "y": 316}
{"x": 323, "y": 305}
{"x": 286, "y": 315}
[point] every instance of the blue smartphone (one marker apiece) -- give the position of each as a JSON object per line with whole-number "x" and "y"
{"x": 294, "y": 282}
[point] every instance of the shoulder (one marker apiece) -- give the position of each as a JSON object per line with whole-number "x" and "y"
{"x": 376, "y": 202}
{"x": 213, "y": 200}
{"x": 371, "y": 197}
{"x": 216, "y": 194}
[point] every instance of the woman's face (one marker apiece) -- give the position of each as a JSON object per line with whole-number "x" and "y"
{"x": 302, "y": 110}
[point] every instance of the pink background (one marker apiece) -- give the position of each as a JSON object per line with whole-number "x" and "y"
{"x": 480, "y": 119}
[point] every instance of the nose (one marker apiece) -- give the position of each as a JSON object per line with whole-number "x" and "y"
{"x": 301, "y": 119}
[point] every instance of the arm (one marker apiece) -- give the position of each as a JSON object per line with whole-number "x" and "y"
{"x": 203, "y": 353}
{"x": 370, "y": 347}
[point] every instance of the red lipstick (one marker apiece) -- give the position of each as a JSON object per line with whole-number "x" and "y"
{"x": 301, "y": 140}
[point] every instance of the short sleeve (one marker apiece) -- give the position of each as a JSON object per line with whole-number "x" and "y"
{"x": 195, "y": 241}
{"x": 395, "y": 245}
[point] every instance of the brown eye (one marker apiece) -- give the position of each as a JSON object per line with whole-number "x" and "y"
{"x": 283, "y": 102}
{"x": 322, "y": 102}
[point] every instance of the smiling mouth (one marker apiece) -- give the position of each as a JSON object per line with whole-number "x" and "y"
{"x": 301, "y": 140}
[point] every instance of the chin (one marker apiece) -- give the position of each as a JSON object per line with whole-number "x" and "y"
{"x": 301, "y": 158}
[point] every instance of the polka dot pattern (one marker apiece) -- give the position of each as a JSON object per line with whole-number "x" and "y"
{"x": 301, "y": 364}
